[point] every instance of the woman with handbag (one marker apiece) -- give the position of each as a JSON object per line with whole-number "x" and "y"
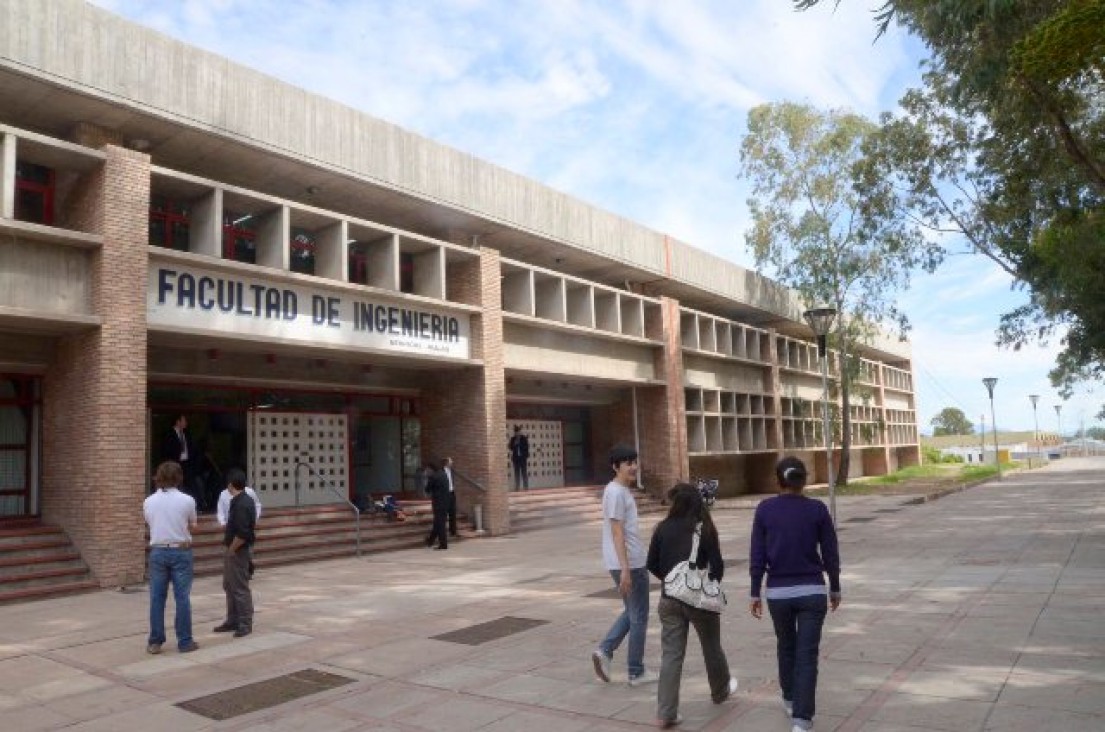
{"x": 687, "y": 526}
{"x": 794, "y": 542}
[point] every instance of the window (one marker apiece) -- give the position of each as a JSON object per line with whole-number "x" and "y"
{"x": 358, "y": 263}
{"x": 168, "y": 224}
{"x": 303, "y": 251}
{"x": 406, "y": 272}
{"x": 238, "y": 238}
{"x": 34, "y": 193}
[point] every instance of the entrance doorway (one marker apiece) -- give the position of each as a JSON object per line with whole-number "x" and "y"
{"x": 20, "y": 410}
{"x": 360, "y": 443}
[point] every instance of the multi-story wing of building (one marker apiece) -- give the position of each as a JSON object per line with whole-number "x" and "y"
{"x": 182, "y": 235}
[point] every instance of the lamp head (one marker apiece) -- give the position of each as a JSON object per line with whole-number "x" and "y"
{"x": 990, "y": 382}
{"x": 1033, "y": 398}
{"x": 820, "y": 320}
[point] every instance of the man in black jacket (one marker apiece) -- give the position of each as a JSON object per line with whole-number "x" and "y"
{"x": 238, "y": 540}
{"x": 519, "y": 458}
{"x": 441, "y": 497}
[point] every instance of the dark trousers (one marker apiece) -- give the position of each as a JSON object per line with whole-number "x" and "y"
{"x": 451, "y": 509}
{"x": 798, "y": 624}
{"x": 239, "y": 599}
{"x": 675, "y": 619}
{"x": 521, "y": 475}
{"x": 437, "y": 533}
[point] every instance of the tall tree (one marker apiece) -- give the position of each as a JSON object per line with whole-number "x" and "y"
{"x": 823, "y": 229}
{"x": 951, "y": 421}
{"x": 1005, "y": 146}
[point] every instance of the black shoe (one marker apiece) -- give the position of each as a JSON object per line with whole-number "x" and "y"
{"x": 192, "y": 646}
{"x": 226, "y": 627}
{"x": 440, "y": 548}
{"x": 429, "y": 541}
{"x": 242, "y": 632}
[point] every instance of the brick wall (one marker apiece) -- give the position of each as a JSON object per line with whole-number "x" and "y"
{"x": 94, "y": 427}
{"x": 463, "y": 411}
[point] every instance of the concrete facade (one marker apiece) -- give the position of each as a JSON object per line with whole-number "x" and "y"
{"x": 163, "y": 250}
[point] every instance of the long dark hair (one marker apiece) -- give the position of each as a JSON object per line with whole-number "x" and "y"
{"x": 687, "y": 506}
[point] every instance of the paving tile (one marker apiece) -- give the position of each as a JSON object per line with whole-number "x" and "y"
{"x": 953, "y": 715}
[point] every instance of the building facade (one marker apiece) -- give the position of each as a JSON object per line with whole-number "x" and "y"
{"x": 332, "y": 301}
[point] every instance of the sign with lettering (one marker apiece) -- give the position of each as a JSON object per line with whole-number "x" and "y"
{"x": 191, "y": 297}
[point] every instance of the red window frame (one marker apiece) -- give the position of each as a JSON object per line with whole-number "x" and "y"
{"x": 46, "y": 190}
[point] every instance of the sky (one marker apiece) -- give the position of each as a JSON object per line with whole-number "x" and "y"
{"x": 638, "y": 107}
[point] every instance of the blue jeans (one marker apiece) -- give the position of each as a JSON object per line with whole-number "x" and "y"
{"x": 798, "y": 624}
{"x": 171, "y": 565}
{"x": 632, "y": 622}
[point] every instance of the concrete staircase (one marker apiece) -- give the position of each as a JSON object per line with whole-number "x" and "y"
{"x": 550, "y": 507}
{"x": 37, "y": 560}
{"x": 306, "y": 534}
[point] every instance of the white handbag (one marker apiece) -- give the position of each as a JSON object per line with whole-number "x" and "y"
{"x": 692, "y": 585}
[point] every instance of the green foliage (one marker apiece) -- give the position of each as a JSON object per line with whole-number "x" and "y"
{"x": 821, "y": 227}
{"x": 1004, "y": 149}
{"x": 1095, "y": 433}
{"x": 952, "y": 421}
{"x": 932, "y": 456}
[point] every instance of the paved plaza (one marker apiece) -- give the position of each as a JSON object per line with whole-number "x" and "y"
{"x": 978, "y": 611}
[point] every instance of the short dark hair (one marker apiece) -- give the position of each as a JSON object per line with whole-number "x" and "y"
{"x": 622, "y": 454}
{"x": 791, "y": 473}
{"x": 236, "y": 477}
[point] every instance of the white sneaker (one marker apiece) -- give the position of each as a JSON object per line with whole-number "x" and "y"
{"x": 646, "y": 677}
{"x": 601, "y": 662}
{"x": 800, "y": 728}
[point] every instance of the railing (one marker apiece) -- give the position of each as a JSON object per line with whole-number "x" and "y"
{"x": 471, "y": 481}
{"x": 345, "y": 499}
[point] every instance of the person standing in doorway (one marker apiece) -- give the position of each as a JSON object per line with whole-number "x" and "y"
{"x": 177, "y": 447}
{"x": 238, "y": 537}
{"x": 171, "y": 516}
{"x": 451, "y": 506}
{"x": 794, "y": 543}
{"x": 519, "y": 458}
{"x": 438, "y": 487}
{"x": 624, "y": 555}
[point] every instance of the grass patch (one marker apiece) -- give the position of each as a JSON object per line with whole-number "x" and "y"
{"x": 913, "y": 472}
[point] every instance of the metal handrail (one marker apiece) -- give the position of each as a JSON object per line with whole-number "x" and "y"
{"x": 470, "y": 480}
{"x": 335, "y": 491}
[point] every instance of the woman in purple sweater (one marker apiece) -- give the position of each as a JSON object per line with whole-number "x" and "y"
{"x": 794, "y": 543}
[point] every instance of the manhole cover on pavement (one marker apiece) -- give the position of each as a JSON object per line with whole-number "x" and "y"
{"x": 475, "y": 635}
{"x": 263, "y": 694}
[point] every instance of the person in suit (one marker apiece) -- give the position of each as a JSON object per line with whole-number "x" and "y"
{"x": 438, "y": 487}
{"x": 519, "y": 458}
{"x": 177, "y": 447}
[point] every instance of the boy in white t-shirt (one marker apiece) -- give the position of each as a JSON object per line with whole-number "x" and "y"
{"x": 625, "y": 556}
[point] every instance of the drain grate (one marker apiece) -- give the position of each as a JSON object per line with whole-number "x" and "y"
{"x": 475, "y": 635}
{"x": 861, "y": 519}
{"x": 263, "y": 694}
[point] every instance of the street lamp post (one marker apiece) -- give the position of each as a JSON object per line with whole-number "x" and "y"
{"x": 1059, "y": 417}
{"x": 990, "y": 382}
{"x": 982, "y": 421}
{"x": 1036, "y": 421}
{"x": 820, "y": 321}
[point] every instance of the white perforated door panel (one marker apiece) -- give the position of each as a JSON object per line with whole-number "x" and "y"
{"x": 546, "y": 452}
{"x": 277, "y": 440}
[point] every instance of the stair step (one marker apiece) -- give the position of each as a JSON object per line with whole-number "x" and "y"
{"x": 43, "y": 577}
{"x": 12, "y": 561}
{"x": 39, "y": 592}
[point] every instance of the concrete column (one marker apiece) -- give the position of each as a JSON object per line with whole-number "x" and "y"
{"x": 7, "y": 176}
{"x": 94, "y": 428}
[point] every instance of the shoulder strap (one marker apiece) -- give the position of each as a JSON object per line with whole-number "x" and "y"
{"x": 694, "y": 544}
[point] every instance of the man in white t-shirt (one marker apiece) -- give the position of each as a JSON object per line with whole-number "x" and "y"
{"x": 171, "y": 516}
{"x": 625, "y": 556}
